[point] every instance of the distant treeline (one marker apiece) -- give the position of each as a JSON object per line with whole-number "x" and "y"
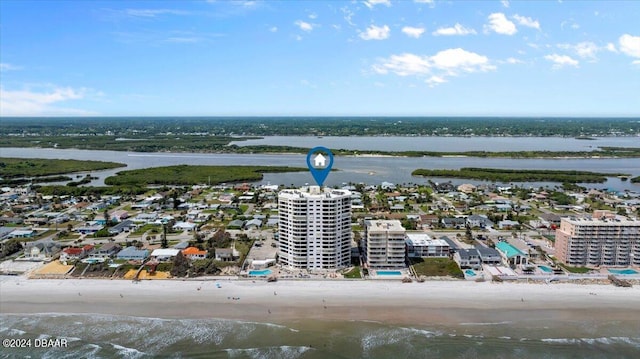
{"x": 512, "y": 175}
{"x": 137, "y": 127}
{"x": 135, "y": 143}
{"x": 191, "y": 175}
{"x": 39, "y": 167}
{"x": 90, "y": 190}
{"x": 626, "y": 152}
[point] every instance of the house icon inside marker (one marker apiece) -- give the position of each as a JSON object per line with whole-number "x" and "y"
{"x": 319, "y": 161}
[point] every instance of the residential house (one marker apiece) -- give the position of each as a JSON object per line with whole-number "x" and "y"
{"x": 76, "y": 253}
{"x": 184, "y": 226}
{"x": 182, "y": 245}
{"x": 454, "y": 222}
{"x": 119, "y": 215}
{"x": 478, "y": 221}
{"x": 44, "y": 249}
{"x": 272, "y": 221}
{"x": 489, "y": 255}
{"x": 253, "y": 224}
{"x": 512, "y": 255}
{"x": 468, "y": 258}
{"x": 164, "y": 254}
{"x": 428, "y": 220}
{"x": 23, "y": 233}
{"x": 133, "y": 253}
{"x": 91, "y": 228}
{"x": 507, "y": 224}
{"x": 236, "y": 224}
{"x": 124, "y": 226}
{"x": 194, "y": 253}
{"x": 224, "y": 254}
{"x": 108, "y": 250}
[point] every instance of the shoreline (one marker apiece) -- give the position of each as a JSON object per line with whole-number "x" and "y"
{"x": 437, "y": 302}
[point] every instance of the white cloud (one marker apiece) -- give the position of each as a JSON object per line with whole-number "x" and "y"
{"x": 150, "y": 13}
{"x": 560, "y": 61}
{"x": 527, "y": 21}
{"x": 459, "y": 59}
{"x": 435, "y": 80}
{"x": 304, "y": 26}
{"x": 376, "y": 33}
{"x": 313, "y": 16}
{"x": 499, "y": 24}
{"x": 611, "y": 47}
{"x": 404, "y": 65}
{"x": 423, "y": 1}
{"x": 585, "y": 49}
{"x": 630, "y": 45}
{"x": 273, "y": 29}
{"x": 456, "y": 29}
{"x": 8, "y": 67}
{"x": 435, "y": 69}
{"x": 31, "y": 103}
{"x": 505, "y": 3}
{"x": 415, "y": 32}
{"x": 513, "y": 61}
{"x": 371, "y": 3}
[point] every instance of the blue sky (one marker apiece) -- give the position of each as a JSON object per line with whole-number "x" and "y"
{"x": 376, "y": 57}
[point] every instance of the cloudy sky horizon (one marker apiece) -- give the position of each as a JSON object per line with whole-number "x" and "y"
{"x": 319, "y": 58}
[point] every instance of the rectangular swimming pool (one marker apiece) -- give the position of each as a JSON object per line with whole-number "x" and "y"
{"x": 545, "y": 269}
{"x": 623, "y": 271}
{"x": 388, "y": 272}
{"x": 259, "y": 273}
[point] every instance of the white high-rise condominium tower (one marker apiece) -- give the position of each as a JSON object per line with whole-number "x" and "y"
{"x": 314, "y": 228}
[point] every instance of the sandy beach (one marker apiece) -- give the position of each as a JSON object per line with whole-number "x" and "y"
{"x": 446, "y": 302}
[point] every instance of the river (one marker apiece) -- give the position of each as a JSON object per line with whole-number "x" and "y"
{"x": 355, "y": 169}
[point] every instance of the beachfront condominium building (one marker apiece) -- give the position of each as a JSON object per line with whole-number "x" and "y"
{"x": 314, "y": 228}
{"x": 420, "y": 244}
{"x": 598, "y": 242}
{"x": 384, "y": 244}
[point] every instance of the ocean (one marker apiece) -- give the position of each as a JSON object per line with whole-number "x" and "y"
{"x": 113, "y": 336}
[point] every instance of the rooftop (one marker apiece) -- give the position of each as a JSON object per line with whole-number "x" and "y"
{"x": 392, "y": 225}
{"x": 509, "y": 250}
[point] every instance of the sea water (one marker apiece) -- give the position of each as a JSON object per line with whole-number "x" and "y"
{"x": 112, "y": 336}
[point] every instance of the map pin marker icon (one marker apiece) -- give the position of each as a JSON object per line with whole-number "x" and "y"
{"x": 320, "y": 161}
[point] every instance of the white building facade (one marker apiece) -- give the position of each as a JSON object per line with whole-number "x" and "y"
{"x": 314, "y": 228}
{"x": 384, "y": 244}
{"x": 422, "y": 245}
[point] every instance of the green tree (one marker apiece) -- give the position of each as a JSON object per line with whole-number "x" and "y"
{"x": 180, "y": 265}
{"x": 164, "y": 243}
{"x": 10, "y": 247}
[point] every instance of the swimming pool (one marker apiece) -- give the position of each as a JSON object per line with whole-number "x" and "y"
{"x": 470, "y": 273}
{"x": 623, "y": 271}
{"x": 545, "y": 269}
{"x": 259, "y": 273}
{"x": 388, "y": 272}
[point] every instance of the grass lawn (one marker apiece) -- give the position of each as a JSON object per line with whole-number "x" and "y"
{"x": 436, "y": 267}
{"x": 577, "y": 270}
{"x": 353, "y": 273}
